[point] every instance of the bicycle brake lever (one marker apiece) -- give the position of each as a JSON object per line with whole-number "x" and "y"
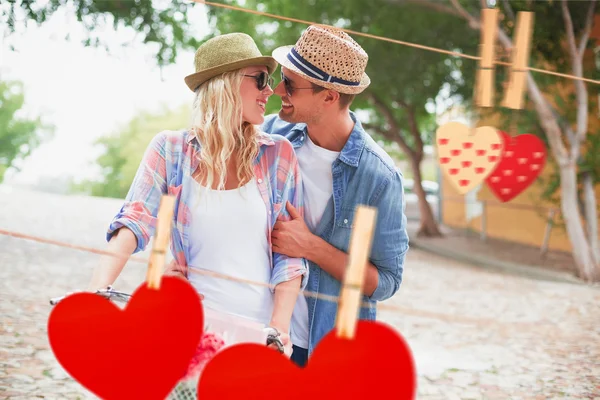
{"x": 107, "y": 293}
{"x": 273, "y": 337}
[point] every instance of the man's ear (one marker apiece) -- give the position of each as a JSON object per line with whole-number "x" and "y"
{"x": 332, "y": 97}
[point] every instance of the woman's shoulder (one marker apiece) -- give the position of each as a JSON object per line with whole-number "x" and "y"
{"x": 276, "y": 147}
{"x": 170, "y": 137}
{"x": 172, "y": 142}
{"x": 273, "y": 140}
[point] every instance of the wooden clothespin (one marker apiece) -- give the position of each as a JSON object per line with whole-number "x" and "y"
{"x": 515, "y": 91}
{"x": 160, "y": 242}
{"x": 360, "y": 248}
{"x": 484, "y": 80}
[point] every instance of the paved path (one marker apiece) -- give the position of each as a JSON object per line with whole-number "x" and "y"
{"x": 475, "y": 334}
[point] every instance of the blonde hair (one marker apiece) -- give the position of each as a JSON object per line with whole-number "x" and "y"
{"x": 218, "y": 124}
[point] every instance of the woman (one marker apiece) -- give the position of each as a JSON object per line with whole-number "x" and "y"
{"x": 231, "y": 183}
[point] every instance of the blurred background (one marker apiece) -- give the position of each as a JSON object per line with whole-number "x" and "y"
{"x": 85, "y": 85}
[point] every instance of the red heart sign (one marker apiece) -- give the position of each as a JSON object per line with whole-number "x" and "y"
{"x": 140, "y": 352}
{"x": 523, "y": 159}
{"x": 376, "y": 364}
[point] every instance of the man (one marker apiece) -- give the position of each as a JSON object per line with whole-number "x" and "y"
{"x": 341, "y": 167}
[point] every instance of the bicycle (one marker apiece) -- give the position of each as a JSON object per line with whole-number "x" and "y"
{"x": 185, "y": 389}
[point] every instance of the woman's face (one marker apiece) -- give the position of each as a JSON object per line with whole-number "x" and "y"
{"x": 254, "y": 100}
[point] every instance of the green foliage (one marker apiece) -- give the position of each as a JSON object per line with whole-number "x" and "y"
{"x": 549, "y": 52}
{"x": 549, "y": 28}
{"x": 399, "y": 74}
{"x": 19, "y": 135}
{"x": 162, "y": 23}
{"x": 123, "y": 150}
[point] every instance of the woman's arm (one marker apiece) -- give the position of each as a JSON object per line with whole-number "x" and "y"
{"x": 133, "y": 226}
{"x": 106, "y": 273}
{"x": 286, "y": 294}
{"x": 290, "y": 274}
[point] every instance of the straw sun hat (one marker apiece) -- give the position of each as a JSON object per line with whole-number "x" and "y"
{"x": 226, "y": 53}
{"x": 327, "y": 57}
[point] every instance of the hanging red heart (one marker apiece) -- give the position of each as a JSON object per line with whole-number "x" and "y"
{"x": 376, "y": 364}
{"x": 139, "y": 352}
{"x": 523, "y": 159}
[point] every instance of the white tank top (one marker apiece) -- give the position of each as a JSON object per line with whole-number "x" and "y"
{"x": 228, "y": 236}
{"x": 315, "y": 166}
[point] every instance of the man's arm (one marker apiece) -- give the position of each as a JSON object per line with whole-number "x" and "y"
{"x": 295, "y": 239}
{"x": 390, "y": 244}
{"x": 334, "y": 262}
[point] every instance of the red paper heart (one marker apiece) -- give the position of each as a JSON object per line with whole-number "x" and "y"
{"x": 523, "y": 159}
{"x": 376, "y": 364}
{"x": 140, "y": 352}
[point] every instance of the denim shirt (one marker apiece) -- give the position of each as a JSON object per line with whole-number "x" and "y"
{"x": 363, "y": 174}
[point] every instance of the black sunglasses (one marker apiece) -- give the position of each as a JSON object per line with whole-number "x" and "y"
{"x": 289, "y": 89}
{"x": 262, "y": 80}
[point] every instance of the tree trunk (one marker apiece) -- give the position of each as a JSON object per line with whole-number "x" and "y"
{"x": 429, "y": 226}
{"x": 591, "y": 215}
{"x": 587, "y": 269}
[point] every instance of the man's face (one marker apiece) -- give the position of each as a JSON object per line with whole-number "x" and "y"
{"x": 299, "y": 103}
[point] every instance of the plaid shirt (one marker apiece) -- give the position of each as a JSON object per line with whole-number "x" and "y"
{"x": 167, "y": 168}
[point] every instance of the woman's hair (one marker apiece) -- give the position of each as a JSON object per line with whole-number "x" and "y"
{"x": 217, "y": 123}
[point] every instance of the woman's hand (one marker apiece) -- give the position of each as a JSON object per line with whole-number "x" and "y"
{"x": 285, "y": 340}
{"x": 178, "y": 271}
{"x": 175, "y": 269}
{"x": 287, "y": 344}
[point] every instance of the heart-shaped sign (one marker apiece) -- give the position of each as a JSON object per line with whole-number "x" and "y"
{"x": 523, "y": 159}
{"x": 376, "y": 364}
{"x": 467, "y": 155}
{"x": 140, "y": 352}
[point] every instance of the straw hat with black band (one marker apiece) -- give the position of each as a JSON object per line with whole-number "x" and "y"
{"x": 226, "y": 53}
{"x": 327, "y": 57}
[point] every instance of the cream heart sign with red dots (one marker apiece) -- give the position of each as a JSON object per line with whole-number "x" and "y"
{"x": 466, "y": 155}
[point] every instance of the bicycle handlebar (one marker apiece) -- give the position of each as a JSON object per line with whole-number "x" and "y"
{"x": 109, "y": 293}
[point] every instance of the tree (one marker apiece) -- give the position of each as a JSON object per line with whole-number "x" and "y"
{"x": 164, "y": 24}
{"x": 406, "y": 82}
{"x": 396, "y": 102}
{"x": 19, "y": 135}
{"x": 124, "y": 149}
{"x": 561, "y": 38}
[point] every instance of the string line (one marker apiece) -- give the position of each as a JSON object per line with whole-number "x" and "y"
{"x": 395, "y": 41}
{"x": 483, "y": 322}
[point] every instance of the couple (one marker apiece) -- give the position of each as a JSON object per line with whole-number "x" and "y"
{"x": 270, "y": 199}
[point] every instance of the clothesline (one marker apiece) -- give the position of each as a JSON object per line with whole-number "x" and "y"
{"x": 386, "y": 39}
{"x": 482, "y": 322}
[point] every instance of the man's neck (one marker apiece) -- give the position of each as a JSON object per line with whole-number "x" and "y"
{"x": 331, "y": 133}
